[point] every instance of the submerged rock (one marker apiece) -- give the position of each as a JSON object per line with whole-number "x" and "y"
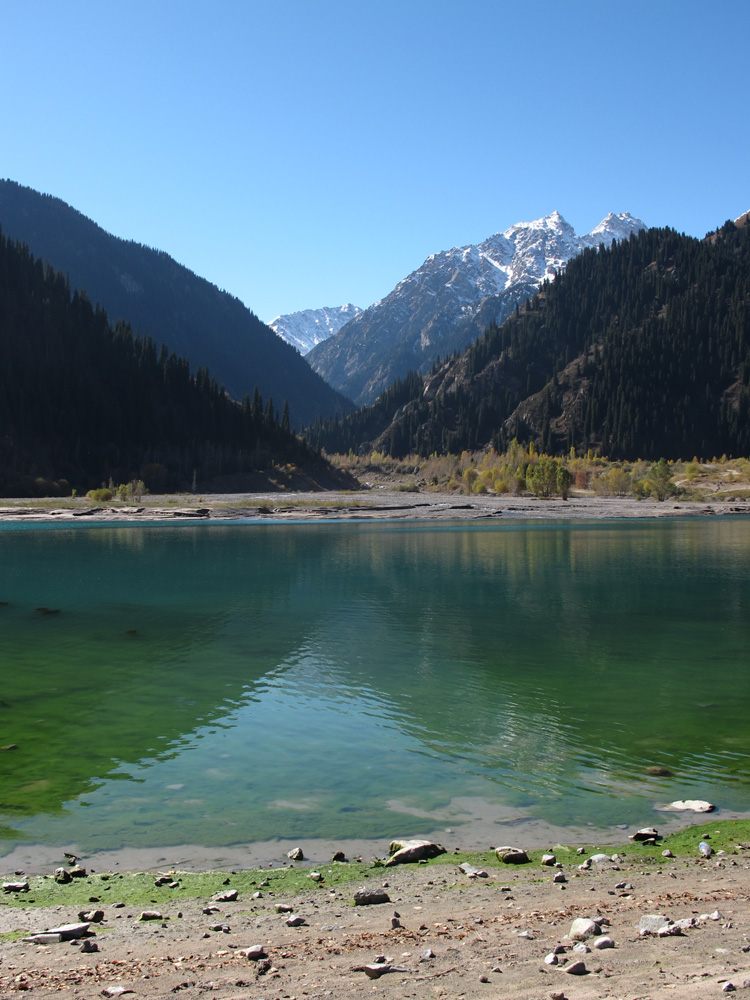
{"x": 688, "y": 805}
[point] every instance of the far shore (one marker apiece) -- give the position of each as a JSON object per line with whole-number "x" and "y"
{"x": 374, "y": 504}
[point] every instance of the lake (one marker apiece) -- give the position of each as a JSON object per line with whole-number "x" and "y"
{"x": 220, "y": 685}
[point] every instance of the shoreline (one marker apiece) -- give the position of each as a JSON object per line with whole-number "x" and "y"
{"x": 648, "y": 924}
{"x": 374, "y": 504}
{"x": 478, "y": 837}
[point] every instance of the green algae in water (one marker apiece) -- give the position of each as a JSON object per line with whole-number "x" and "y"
{"x": 220, "y": 685}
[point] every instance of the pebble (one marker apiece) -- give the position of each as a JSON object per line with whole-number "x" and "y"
{"x": 575, "y": 969}
{"x": 653, "y": 923}
{"x": 254, "y": 953}
{"x": 551, "y": 959}
{"x": 647, "y": 833}
{"x": 512, "y": 856}
{"x": 583, "y": 928}
{"x": 295, "y": 921}
{"x": 603, "y": 942}
{"x": 559, "y": 878}
{"x": 226, "y": 897}
{"x": 370, "y": 897}
{"x": 296, "y": 854}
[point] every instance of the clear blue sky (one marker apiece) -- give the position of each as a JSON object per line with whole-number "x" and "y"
{"x": 302, "y": 153}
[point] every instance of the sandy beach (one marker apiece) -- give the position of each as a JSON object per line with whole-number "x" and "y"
{"x": 441, "y": 932}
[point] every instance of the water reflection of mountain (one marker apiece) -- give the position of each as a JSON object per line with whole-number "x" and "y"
{"x": 122, "y": 669}
{"x": 550, "y": 652}
{"x": 535, "y": 657}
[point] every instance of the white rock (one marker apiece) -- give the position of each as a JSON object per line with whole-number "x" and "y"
{"x": 583, "y": 928}
{"x": 653, "y": 923}
{"x": 687, "y": 805}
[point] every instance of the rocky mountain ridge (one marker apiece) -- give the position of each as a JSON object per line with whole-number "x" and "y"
{"x": 451, "y": 299}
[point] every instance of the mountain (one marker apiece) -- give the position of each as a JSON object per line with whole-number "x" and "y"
{"x": 641, "y": 350}
{"x": 450, "y": 300}
{"x": 305, "y": 329}
{"x": 82, "y": 401}
{"x": 167, "y": 302}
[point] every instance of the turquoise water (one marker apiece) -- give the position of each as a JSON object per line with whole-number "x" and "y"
{"x": 228, "y": 684}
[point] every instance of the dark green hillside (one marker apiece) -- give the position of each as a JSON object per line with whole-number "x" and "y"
{"x": 163, "y": 300}
{"x": 640, "y": 350}
{"x": 84, "y": 402}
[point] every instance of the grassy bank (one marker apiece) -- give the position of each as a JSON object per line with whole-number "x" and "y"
{"x": 138, "y": 888}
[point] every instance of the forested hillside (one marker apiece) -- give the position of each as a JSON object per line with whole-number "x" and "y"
{"x": 163, "y": 300}
{"x": 639, "y": 350}
{"x": 82, "y": 402}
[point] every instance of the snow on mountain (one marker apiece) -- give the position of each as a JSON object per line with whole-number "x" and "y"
{"x": 451, "y": 299}
{"x": 309, "y": 327}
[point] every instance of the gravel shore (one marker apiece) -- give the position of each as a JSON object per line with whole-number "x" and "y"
{"x": 376, "y": 504}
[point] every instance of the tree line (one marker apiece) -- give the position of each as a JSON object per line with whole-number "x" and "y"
{"x": 641, "y": 349}
{"x": 83, "y": 401}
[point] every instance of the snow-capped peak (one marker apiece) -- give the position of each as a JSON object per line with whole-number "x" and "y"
{"x": 309, "y": 327}
{"x": 613, "y": 227}
{"x": 432, "y": 309}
